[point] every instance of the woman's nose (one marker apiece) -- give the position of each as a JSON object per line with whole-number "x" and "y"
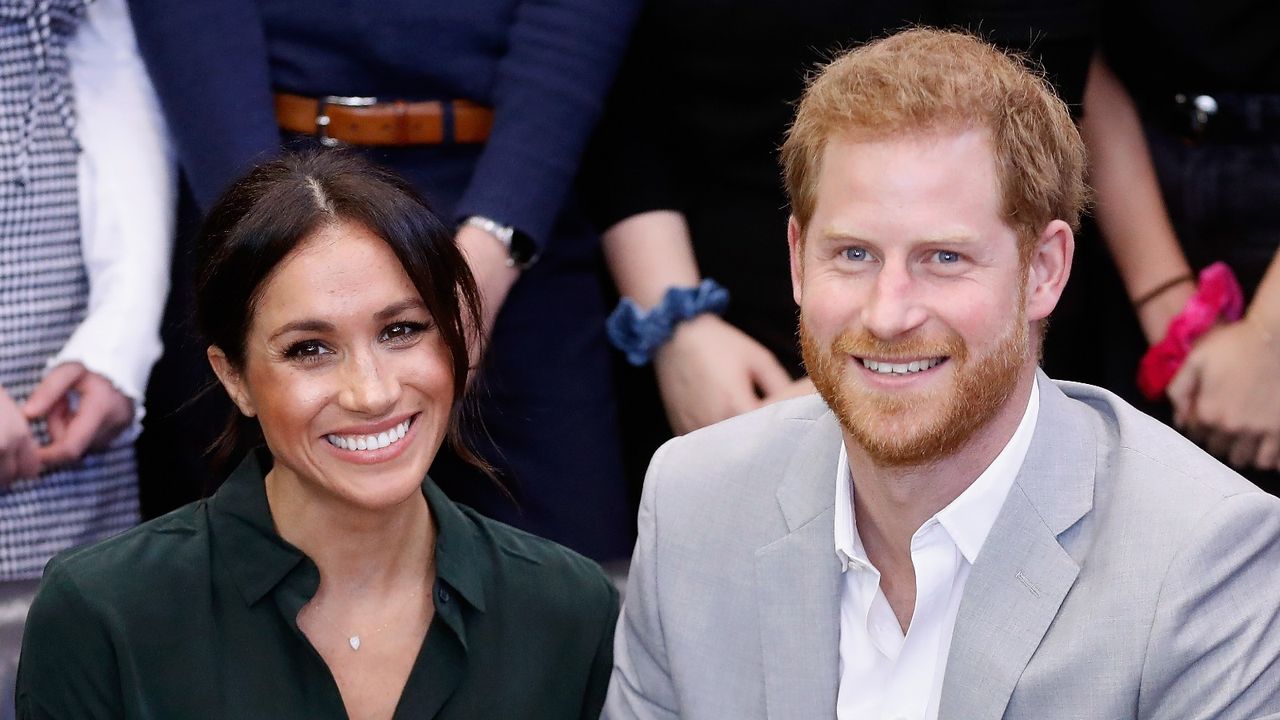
{"x": 369, "y": 388}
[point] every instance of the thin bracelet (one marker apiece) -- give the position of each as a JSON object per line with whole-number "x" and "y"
{"x": 1161, "y": 289}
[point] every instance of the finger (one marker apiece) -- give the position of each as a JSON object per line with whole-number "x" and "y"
{"x": 1182, "y": 392}
{"x": 1268, "y": 455}
{"x": 77, "y": 435}
{"x": 57, "y": 419}
{"x": 22, "y": 461}
{"x": 1218, "y": 443}
{"x": 1242, "y": 451}
{"x": 770, "y": 377}
{"x": 116, "y": 409}
{"x": 28, "y": 459}
{"x": 51, "y": 389}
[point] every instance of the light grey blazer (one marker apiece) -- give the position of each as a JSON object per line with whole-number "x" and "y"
{"x": 1128, "y": 575}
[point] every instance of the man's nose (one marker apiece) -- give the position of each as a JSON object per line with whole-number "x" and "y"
{"x": 893, "y": 305}
{"x": 368, "y": 386}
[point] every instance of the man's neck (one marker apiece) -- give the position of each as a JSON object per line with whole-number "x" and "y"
{"x": 891, "y": 503}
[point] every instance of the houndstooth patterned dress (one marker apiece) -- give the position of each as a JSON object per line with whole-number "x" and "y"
{"x": 43, "y": 286}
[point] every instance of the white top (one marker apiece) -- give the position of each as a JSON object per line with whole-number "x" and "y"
{"x": 885, "y": 675}
{"x": 128, "y": 186}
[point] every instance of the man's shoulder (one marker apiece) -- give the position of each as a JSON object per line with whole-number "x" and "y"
{"x": 1136, "y": 448}
{"x": 740, "y": 448}
{"x": 734, "y": 469}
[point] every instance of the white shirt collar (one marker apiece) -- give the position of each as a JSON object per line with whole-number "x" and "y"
{"x": 967, "y": 519}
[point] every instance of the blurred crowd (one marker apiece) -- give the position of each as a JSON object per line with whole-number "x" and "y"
{"x": 610, "y": 169}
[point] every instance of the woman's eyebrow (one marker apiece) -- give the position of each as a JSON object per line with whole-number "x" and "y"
{"x": 396, "y": 308}
{"x": 302, "y": 326}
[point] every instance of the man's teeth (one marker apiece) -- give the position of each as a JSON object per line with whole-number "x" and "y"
{"x": 369, "y": 442}
{"x": 888, "y": 368}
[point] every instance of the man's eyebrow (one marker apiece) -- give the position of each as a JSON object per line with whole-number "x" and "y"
{"x": 841, "y": 236}
{"x": 833, "y": 235}
{"x": 317, "y": 326}
{"x": 396, "y": 308}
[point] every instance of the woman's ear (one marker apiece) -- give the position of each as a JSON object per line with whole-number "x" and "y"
{"x": 231, "y": 380}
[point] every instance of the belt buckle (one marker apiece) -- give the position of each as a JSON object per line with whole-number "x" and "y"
{"x": 1201, "y": 110}
{"x": 322, "y": 116}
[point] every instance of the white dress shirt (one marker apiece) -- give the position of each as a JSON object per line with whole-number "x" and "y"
{"x": 885, "y": 675}
{"x": 127, "y": 200}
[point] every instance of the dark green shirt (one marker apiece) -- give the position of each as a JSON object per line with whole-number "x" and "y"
{"x": 194, "y": 615}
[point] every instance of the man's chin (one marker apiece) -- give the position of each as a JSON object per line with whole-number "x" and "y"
{"x": 898, "y": 441}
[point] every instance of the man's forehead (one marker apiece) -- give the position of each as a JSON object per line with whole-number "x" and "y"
{"x": 957, "y": 167}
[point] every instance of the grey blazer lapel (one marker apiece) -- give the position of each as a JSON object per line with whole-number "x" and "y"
{"x": 1022, "y": 574}
{"x": 797, "y": 583}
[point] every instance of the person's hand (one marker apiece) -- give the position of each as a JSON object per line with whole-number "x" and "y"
{"x": 488, "y": 261}
{"x": 1227, "y": 395}
{"x": 19, "y": 452}
{"x": 101, "y": 413}
{"x": 710, "y": 371}
{"x": 794, "y": 389}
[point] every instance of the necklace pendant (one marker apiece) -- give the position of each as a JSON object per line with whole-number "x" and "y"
{"x": 355, "y": 642}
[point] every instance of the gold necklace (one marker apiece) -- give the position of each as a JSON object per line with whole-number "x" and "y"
{"x": 354, "y": 640}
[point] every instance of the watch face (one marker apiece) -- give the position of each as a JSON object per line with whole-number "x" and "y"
{"x": 523, "y": 251}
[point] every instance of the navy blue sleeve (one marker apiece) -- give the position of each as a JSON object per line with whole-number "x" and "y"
{"x": 550, "y": 90}
{"x": 208, "y": 63}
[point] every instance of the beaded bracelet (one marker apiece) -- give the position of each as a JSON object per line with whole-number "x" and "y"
{"x": 638, "y": 334}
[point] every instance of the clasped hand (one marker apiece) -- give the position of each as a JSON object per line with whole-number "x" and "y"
{"x": 711, "y": 370}
{"x": 1227, "y": 395}
{"x": 100, "y": 413}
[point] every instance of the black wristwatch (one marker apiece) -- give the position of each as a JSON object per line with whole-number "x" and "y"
{"x": 521, "y": 251}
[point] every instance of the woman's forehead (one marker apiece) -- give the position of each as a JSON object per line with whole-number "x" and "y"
{"x": 341, "y": 270}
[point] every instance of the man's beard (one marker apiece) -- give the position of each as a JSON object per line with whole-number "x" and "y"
{"x": 912, "y": 427}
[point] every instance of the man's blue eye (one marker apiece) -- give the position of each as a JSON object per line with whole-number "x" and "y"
{"x": 948, "y": 256}
{"x": 856, "y": 254}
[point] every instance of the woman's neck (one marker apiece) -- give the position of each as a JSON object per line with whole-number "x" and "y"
{"x": 358, "y": 551}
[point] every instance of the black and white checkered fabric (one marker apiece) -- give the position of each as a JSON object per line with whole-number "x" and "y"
{"x": 43, "y": 286}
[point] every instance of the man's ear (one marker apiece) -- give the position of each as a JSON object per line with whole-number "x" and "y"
{"x": 231, "y": 380}
{"x": 1049, "y": 268}
{"x": 795, "y": 243}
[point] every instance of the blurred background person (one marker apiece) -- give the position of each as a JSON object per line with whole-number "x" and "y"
{"x": 86, "y": 209}
{"x": 683, "y": 176}
{"x": 486, "y": 106}
{"x": 328, "y": 577}
{"x": 1183, "y": 125}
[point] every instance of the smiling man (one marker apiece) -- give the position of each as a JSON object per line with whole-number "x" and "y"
{"x": 943, "y": 532}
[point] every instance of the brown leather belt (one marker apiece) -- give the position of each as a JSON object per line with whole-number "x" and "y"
{"x": 365, "y": 121}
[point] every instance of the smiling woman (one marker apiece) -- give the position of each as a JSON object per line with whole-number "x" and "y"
{"x": 328, "y": 576}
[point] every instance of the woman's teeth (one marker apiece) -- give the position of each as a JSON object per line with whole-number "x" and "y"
{"x": 369, "y": 442}
{"x": 888, "y": 368}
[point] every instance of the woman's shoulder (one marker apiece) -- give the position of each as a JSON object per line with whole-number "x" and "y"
{"x": 543, "y": 572}
{"x": 174, "y": 546}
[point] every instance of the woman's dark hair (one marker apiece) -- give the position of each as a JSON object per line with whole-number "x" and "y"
{"x": 268, "y": 213}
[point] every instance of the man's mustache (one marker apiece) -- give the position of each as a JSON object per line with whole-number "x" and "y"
{"x": 862, "y": 344}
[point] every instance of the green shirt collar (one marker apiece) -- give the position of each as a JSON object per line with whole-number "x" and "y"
{"x": 259, "y": 559}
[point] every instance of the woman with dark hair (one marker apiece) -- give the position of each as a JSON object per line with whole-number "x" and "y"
{"x": 326, "y": 577}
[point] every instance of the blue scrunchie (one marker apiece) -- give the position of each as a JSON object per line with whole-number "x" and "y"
{"x": 638, "y": 333}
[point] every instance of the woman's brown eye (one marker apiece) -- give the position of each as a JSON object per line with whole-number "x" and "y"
{"x": 402, "y": 331}
{"x": 307, "y": 349}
